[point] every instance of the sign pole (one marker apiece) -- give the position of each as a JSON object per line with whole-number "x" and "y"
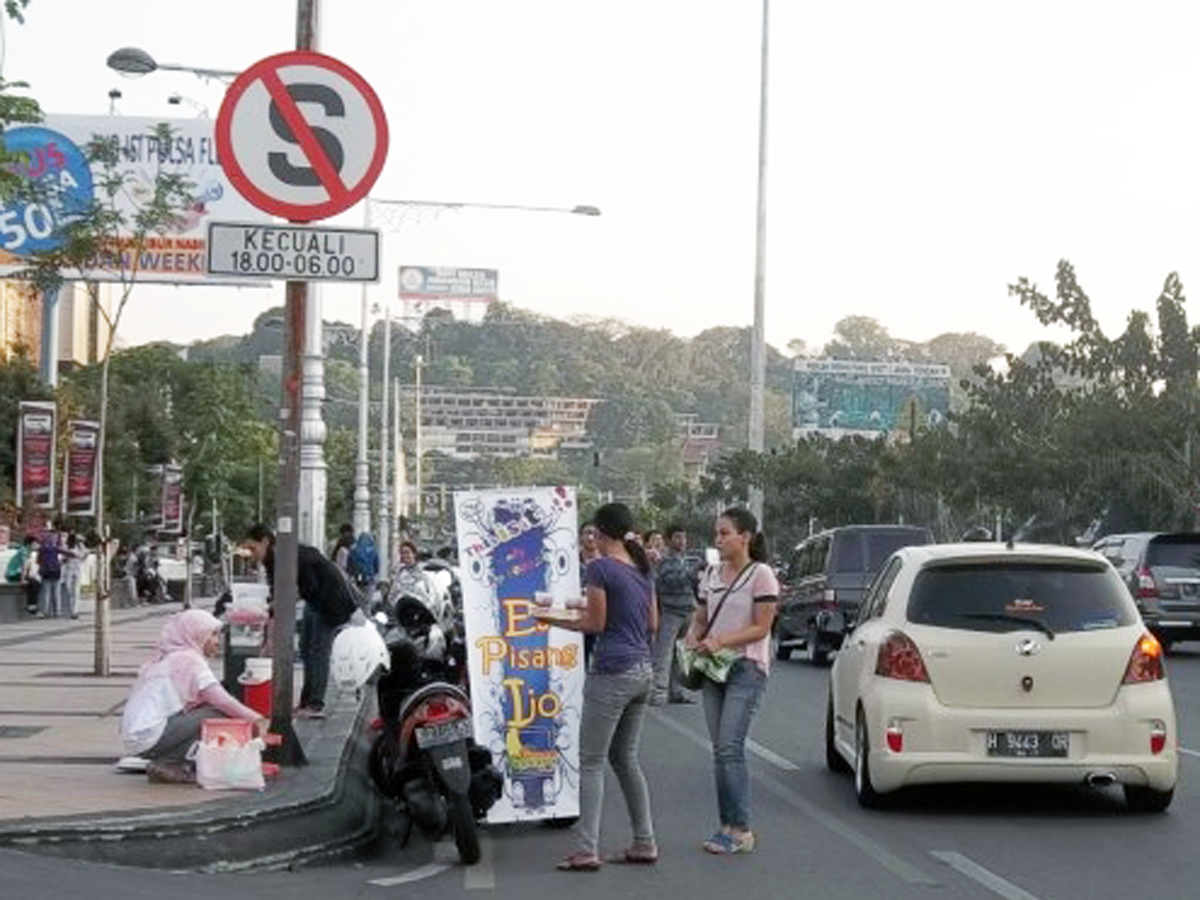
{"x": 288, "y": 501}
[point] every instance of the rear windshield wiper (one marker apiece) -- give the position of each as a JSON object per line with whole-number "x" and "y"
{"x": 1020, "y": 620}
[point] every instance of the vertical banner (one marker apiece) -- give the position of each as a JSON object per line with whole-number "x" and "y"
{"x": 172, "y": 500}
{"x": 526, "y": 678}
{"x": 36, "y": 429}
{"x": 79, "y": 482}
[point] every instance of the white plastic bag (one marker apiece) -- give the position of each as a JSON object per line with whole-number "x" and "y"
{"x": 230, "y": 767}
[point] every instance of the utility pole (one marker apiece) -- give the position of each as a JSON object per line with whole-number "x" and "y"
{"x": 288, "y": 501}
{"x": 385, "y": 506}
{"x": 758, "y": 357}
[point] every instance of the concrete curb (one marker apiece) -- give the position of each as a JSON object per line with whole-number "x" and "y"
{"x": 328, "y": 806}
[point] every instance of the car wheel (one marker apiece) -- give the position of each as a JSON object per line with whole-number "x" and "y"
{"x": 781, "y": 652}
{"x": 818, "y": 653}
{"x": 868, "y": 797}
{"x": 834, "y": 760}
{"x": 1147, "y": 800}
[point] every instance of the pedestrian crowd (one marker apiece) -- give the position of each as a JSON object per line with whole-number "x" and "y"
{"x": 50, "y": 568}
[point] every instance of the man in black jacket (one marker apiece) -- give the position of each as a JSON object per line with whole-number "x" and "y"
{"x": 329, "y": 602}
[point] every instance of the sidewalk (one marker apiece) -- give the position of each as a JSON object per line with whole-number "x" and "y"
{"x": 59, "y": 792}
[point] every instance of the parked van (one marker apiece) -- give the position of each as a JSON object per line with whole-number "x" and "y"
{"x": 826, "y": 577}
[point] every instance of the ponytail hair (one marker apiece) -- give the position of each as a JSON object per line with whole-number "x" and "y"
{"x": 615, "y": 521}
{"x": 745, "y": 523}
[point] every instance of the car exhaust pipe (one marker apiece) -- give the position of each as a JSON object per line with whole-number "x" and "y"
{"x": 1100, "y": 779}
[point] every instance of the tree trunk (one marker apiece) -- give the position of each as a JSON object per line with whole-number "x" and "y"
{"x": 103, "y": 626}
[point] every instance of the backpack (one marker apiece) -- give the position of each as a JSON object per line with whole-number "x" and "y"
{"x": 363, "y": 563}
{"x": 12, "y": 574}
{"x": 49, "y": 565}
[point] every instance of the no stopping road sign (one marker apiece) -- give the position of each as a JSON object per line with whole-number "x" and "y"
{"x": 302, "y": 135}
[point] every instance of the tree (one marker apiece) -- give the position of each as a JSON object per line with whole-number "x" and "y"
{"x": 864, "y": 338}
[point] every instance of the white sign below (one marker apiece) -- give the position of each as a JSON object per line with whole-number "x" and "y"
{"x": 293, "y": 252}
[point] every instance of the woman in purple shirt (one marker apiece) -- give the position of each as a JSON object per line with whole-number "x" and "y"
{"x": 622, "y": 613}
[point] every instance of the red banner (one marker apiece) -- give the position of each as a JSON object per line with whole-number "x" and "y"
{"x": 79, "y": 491}
{"x": 172, "y": 500}
{"x": 35, "y": 454}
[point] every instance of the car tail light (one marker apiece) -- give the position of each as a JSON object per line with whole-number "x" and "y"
{"x": 894, "y": 736}
{"x": 899, "y": 658}
{"x": 1147, "y": 587}
{"x": 1146, "y": 662}
{"x": 1158, "y": 736}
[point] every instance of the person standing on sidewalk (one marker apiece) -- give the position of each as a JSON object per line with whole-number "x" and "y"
{"x": 328, "y": 605}
{"x": 621, "y": 612}
{"x": 50, "y": 571}
{"x": 30, "y": 577}
{"x": 72, "y": 570}
{"x": 174, "y": 693}
{"x": 675, "y": 587}
{"x": 746, "y": 591}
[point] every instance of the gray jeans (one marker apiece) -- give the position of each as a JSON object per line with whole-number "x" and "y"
{"x": 614, "y": 707}
{"x": 671, "y": 624}
{"x": 183, "y": 730}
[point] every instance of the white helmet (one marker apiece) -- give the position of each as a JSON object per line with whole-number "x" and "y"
{"x": 358, "y": 651}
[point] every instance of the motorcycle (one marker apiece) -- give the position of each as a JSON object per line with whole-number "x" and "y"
{"x": 425, "y": 758}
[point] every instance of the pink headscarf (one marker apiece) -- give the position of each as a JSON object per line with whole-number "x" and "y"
{"x": 179, "y": 654}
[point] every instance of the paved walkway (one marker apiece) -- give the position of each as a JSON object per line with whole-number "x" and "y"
{"x": 59, "y": 722}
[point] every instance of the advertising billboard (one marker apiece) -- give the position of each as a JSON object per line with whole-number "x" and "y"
{"x": 37, "y": 426}
{"x": 79, "y": 485}
{"x": 449, "y": 284}
{"x": 58, "y": 163}
{"x": 517, "y": 547}
{"x": 838, "y": 397}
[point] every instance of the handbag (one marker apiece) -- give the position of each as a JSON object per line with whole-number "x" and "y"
{"x": 695, "y": 666}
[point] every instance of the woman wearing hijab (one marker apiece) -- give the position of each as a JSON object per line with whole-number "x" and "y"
{"x": 173, "y": 695}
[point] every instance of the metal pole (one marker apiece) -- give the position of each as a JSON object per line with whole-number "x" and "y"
{"x": 385, "y": 506}
{"x": 288, "y": 502}
{"x": 758, "y": 357}
{"x": 418, "y": 483}
{"x": 362, "y": 490}
{"x": 397, "y": 464}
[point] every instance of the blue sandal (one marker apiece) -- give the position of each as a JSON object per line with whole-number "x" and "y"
{"x": 721, "y": 842}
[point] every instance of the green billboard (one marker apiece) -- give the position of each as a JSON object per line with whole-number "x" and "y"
{"x": 838, "y": 397}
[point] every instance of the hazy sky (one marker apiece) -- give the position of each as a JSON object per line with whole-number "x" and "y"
{"x": 922, "y": 155}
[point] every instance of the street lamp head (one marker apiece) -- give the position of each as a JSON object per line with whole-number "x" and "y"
{"x": 132, "y": 61}
{"x": 586, "y": 211}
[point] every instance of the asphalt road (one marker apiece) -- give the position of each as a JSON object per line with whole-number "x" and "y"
{"x": 815, "y": 842}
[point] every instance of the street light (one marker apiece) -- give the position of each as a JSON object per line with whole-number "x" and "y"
{"x": 135, "y": 62}
{"x": 758, "y": 355}
{"x": 393, "y": 214}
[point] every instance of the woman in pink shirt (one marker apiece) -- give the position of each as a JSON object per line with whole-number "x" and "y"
{"x": 738, "y": 596}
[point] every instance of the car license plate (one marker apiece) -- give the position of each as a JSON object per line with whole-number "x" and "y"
{"x": 1028, "y": 744}
{"x": 443, "y": 733}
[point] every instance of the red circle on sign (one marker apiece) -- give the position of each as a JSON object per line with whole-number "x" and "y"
{"x": 341, "y": 197}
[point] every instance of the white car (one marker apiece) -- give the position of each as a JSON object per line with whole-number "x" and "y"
{"x": 1001, "y": 663}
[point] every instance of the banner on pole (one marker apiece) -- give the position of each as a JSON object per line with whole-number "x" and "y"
{"x": 79, "y": 482}
{"x": 172, "y": 500}
{"x": 526, "y": 678}
{"x": 36, "y": 430}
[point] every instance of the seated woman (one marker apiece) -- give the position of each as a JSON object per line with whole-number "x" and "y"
{"x": 174, "y": 693}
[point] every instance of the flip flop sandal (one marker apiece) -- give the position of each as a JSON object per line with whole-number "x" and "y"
{"x": 580, "y": 862}
{"x": 635, "y": 857}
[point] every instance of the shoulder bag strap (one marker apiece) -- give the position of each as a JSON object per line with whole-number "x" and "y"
{"x": 725, "y": 596}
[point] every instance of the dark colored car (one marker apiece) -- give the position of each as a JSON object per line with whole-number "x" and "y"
{"x": 1162, "y": 572}
{"x": 825, "y": 579}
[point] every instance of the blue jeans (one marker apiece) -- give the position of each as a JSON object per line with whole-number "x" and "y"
{"x": 614, "y": 707}
{"x": 728, "y": 709}
{"x": 316, "y": 644}
{"x": 50, "y": 598}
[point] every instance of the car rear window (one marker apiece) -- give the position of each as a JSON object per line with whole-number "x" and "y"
{"x": 1179, "y": 552}
{"x": 998, "y": 597}
{"x": 850, "y": 547}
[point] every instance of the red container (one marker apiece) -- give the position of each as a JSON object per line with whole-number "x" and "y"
{"x": 258, "y": 697}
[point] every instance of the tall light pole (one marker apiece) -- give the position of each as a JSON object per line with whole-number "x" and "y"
{"x": 758, "y": 355}
{"x": 392, "y": 215}
{"x": 385, "y": 506}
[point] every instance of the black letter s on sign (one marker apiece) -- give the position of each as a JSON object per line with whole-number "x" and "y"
{"x": 305, "y": 176}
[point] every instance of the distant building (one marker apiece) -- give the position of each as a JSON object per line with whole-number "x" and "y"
{"x": 82, "y": 330}
{"x": 701, "y": 442}
{"x": 20, "y": 319}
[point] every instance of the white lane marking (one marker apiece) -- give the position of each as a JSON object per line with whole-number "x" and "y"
{"x": 429, "y": 870}
{"x": 904, "y": 870}
{"x": 482, "y": 875}
{"x": 1186, "y": 752}
{"x": 985, "y": 877}
{"x": 771, "y": 756}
